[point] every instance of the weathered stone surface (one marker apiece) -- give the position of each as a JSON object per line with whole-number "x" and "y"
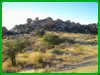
{"x": 58, "y": 20}
{"x": 42, "y": 49}
{"x": 36, "y": 19}
{"x": 4, "y": 30}
{"x": 29, "y": 20}
{"x": 49, "y": 21}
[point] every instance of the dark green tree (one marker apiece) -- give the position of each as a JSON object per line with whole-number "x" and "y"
{"x": 13, "y": 48}
{"x": 51, "y": 39}
{"x": 10, "y": 51}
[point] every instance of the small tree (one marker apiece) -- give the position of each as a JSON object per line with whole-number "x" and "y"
{"x": 22, "y": 43}
{"x": 11, "y": 51}
{"x": 51, "y": 39}
{"x": 40, "y": 32}
{"x": 13, "y": 48}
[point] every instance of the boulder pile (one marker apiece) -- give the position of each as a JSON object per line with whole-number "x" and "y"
{"x": 55, "y": 25}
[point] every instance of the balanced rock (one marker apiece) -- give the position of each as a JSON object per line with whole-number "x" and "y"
{"x": 29, "y": 20}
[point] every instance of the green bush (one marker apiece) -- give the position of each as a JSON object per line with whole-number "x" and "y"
{"x": 60, "y": 46}
{"x": 51, "y": 39}
{"x": 27, "y": 30}
{"x": 15, "y": 26}
{"x": 8, "y": 38}
{"x": 35, "y": 49}
{"x": 39, "y": 32}
{"x": 57, "y": 51}
{"x": 26, "y": 56}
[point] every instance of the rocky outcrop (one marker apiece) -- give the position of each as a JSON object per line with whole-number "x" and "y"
{"x": 58, "y": 25}
{"x": 4, "y": 30}
{"x": 49, "y": 21}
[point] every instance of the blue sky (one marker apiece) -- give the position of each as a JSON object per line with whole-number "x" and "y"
{"x": 17, "y": 12}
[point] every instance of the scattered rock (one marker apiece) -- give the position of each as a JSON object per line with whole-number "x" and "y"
{"x": 42, "y": 49}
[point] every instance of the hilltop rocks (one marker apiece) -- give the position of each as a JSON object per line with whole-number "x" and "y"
{"x": 4, "y": 30}
{"x": 58, "y": 25}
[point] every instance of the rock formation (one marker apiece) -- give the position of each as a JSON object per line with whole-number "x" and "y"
{"x": 4, "y": 30}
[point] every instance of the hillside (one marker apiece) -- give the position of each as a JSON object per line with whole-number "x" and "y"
{"x": 48, "y": 46}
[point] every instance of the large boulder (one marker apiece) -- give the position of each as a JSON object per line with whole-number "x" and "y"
{"x": 36, "y": 19}
{"x": 29, "y": 20}
{"x": 58, "y": 20}
{"x": 4, "y": 30}
{"x": 49, "y": 21}
{"x": 11, "y": 32}
{"x": 42, "y": 49}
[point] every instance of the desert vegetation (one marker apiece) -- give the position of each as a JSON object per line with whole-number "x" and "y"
{"x": 65, "y": 52}
{"x": 47, "y": 46}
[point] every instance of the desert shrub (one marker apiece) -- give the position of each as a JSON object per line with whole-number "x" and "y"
{"x": 11, "y": 51}
{"x": 39, "y": 32}
{"x": 57, "y": 51}
{"x": 15, "y": 26}
{"x": 8, "y": 38}
{"x": 25, "y": 56}
{"x": 10, "y": 70}
{"x": 78, "y": 47}
{"x": 27, "y": 30}
{"x": 21, "y": 44}
{"x": 60, "y": 46}
{"x": 35, "y": 49}
{"x": 44, "y": 26}
{"x": 93, "y": 41}
{"x": 68, "y": 39}
{"x": 51, "y": 39}
{"x": 46, "y": 45}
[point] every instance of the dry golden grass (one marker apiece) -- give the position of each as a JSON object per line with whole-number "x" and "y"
{"x": 28, "y": 71}
{"x": 86, "y": 69}
{"x": 33, "y": 71}
{"x": 6, "y": 64}
{"x": 20, "y": 55}
{"x": 33, "y": 57}
{"x": 62, "y": 56}
{"x": 22, "y": 60}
